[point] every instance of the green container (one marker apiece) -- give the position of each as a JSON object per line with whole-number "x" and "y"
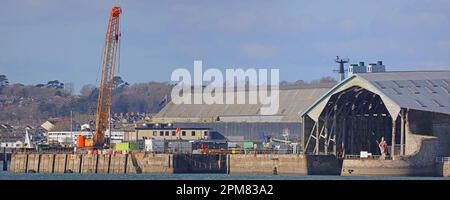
{"x": 250, "y": 145}
{"x": 134, "y": 146}
{"x": 123, "y": 146}
{"x": 38, "y": 148}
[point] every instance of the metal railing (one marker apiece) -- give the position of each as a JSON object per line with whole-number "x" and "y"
{"x": 444, "y": 160}
{"x": 218, "y": 151}
{"x": 165, "y": 150}
{"x": 370, "y": 157}
{"x": 50, "y": 150}
{"x": 397, "y": 149}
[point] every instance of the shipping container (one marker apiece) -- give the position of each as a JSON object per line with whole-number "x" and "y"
{"x": 208, "y": 144}
{"x": 180, "y": 146}
{"x": 232, "y": 145}
{"x": 81, "y": 141}
{"x": 153, "y": 145}
{"x": 253, "y": 145}
{"x": 89, "y": 143}
{"x": 134, "y": 146}
{"x": 248, "y": 145}
{"x": 122, "y": 146}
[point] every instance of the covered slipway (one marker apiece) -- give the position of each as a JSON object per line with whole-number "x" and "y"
{"x": 406, "y": 108}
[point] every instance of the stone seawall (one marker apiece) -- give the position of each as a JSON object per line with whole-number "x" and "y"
{"x": 92, "y": 163}
{"x": 267, "y": 164}
{"x": 323, "y": 165}
{"x": 200, "y": 163}
{"x": 421, "y": 163}
{"x": 384, "y": 168}
{"x": 443, "y": 169}
{"x": 150, "y": 163}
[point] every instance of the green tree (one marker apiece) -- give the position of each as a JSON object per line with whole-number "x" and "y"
{"x": 40, "y": 85}
{"x": 118, "y": 82}
{"x": 3, "y": 82}
{"x": 87, "y": 90}
{"x": 55, "y": 84}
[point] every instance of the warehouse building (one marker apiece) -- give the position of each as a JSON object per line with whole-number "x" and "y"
{"x": 410, "y": 110}
{"x": 243, "y": 122}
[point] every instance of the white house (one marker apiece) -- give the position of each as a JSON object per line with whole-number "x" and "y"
{"x": 67, "y": 137}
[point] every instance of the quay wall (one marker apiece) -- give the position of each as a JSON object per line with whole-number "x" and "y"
{"x": 291, "y": 164}
{"x": 418, "y": 164}
{"x": 150, "y": 163}
{"x": 92, "y": 163}
{"x": 200, "y": 163}
{"x": 384, "y": 168}
{"x": 443, "y": 169}
{"x": 18, "y": 163}
{"x": 267, "y": 164}
{"x": 73, "y": 164}
{"x": 59, "y": 163}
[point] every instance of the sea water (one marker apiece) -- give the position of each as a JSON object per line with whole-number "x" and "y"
{"x": 10, "y": 176}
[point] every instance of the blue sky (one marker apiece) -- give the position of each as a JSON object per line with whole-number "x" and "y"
{"x": 43, "y": 40}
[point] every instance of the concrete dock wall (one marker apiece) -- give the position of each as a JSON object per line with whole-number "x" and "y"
{"x": 60, "y": 163}
{"x": 46, "y": 163}
{"x": 89, "y": 163}
{"x": 92, "y": 163}
{"x": 384, "y": 168}
{"x": 149, "y": 163}
{"x": 33, "y": 163}
{"x": 118, "y": 164}
{"x": 443, "y": 169}
{"x": 103, "y": 163}
{"x": 199, "y": 163}
{"x": 323, "y": 165}
{"x": 421, "y": 163}
{"x": 73, "y": 163}
{"x": 267, "y": 164}
{"x": 19, "y": 163}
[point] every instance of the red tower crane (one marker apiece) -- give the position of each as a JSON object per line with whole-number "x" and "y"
{"x": 110, "y": 59}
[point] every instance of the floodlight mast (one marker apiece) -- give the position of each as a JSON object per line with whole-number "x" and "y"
{"x": 341, "y": 62}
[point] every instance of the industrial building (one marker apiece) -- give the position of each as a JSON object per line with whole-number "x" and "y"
{"x": 243, "y": 122}
{"x": 410, "y": 110}
{"x": 169, "y": 132}
{"x": 70, "y": 137}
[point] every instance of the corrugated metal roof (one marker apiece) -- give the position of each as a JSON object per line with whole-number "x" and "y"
{"x": 427, "y": 91}
{"x": 419, "y": 90}
{"x": 292, "y": 101}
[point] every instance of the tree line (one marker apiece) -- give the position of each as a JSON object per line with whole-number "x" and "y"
{"x": 54, "y": 99}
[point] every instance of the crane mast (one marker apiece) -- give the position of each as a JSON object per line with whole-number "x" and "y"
{"x": 108, "y": 66}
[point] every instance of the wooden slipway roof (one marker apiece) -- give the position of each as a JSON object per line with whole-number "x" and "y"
{"x": 292, "y": 101}
{"x": 418, "y": 90}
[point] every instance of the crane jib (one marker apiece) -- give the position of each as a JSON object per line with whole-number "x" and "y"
{"x": 108, "y": 67}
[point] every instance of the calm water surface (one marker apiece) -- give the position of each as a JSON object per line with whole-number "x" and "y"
{"x": 9, "y": 176}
